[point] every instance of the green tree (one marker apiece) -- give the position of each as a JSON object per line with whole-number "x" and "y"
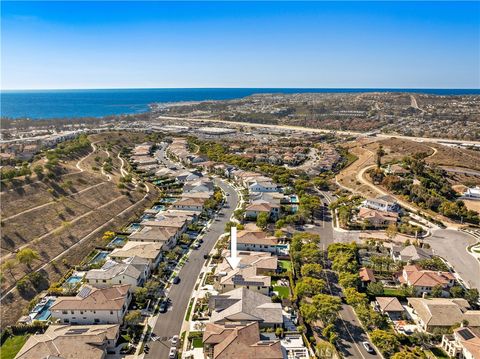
{"x": 410, "y": 353}
{"x": 27, "y": 256}
{"x": 141, "y": 294}
{"x": 375, "y": 288}
{"x": 262, "y": 220}
{"x": 133, "y": 317}
{"x": 456, "y": 291}
{"x": 385, "y": 341}
{"x": 327, "y": 307}
{"x": 311, "y": 270}
{"x": 355, "y": 298}
{"x": 348, "y": 280}
{"x": 309, "y": 312}
{"x": 308, "y": 287}
{"x": 471, "y": 295}
{"x": 437, "y": 291}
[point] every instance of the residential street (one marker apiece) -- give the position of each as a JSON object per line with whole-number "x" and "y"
{"x": 452, "y": 246}
{"x": 349, "y": 328}
{"x": 170, "y": 323}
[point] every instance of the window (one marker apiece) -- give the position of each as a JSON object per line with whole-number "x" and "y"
{"x": 71, "y": 312}
{"x": 104, "y": 281}
{"x": 65, "y": 320}
{"x": 64, "y": 312}
{"x": 81, "y": 312}
{"x": 111, "y": 312}
{"x": 96, "y": 320}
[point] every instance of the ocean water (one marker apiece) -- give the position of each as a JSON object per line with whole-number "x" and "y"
{"x": 43, "y": 104}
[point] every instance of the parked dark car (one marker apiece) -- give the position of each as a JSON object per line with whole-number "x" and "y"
{"x": 176, "y": 280}
{"x": 163, "y": 307}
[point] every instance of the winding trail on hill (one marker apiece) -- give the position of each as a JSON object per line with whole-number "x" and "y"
{"x": 123, "y": 173}
{"x": 94, "y": 148}
{"x": 50, "y": 203}
{"x": 109, "y": 177}
{"x": 83, "y": 239}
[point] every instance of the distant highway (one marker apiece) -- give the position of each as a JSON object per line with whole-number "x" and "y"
{"x": 319, "y": 130}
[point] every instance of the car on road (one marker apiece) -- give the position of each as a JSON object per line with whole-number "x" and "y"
{"x": 163, "y": 307}
{"x": 228, "y": 194}
{"x": 176, "y": 280}
{"x": 196, "y": 246}
{"x": 175, "y": 340}
{"x": 368, "y": 347}
{"x": 205, "y": 256}
{"x": 173, "y": 353}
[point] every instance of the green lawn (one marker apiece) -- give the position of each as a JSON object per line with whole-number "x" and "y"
{"x": 286, "y": 265}
{"x": 282, "y": 291}
{"x": 197, "y": 343}
{"x": 12, "y": 346}
{"x": 392, "y": 292}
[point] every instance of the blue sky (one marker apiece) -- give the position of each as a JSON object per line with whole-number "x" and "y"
{"x": 227, "y": 44}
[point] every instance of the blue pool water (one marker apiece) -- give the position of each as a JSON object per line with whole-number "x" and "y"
{"x": 133, "y": 227}
{"x": 38, "y": 104}
{"x": 117, "y": 241}
{"x": 73, "y": 279}
{"x": 293, "y": 199}
{"x": 99, "y": 257}
{"x": 169, "y": 199}
{"x": 146, "y": 217}
{"x": 158, "y": 207}
{"x": 45, "y": 313}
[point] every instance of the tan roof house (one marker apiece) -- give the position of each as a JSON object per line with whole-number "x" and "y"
{"x": 261, "y": 206}
{"x": 66, "y": 341}
{"x": 376, "y": 218}
{"x": 151, "y": 251}
{"x": 251, "y": 272}
{"x": 189, "y": 204}
{"x": 239, "y": 341}
{"x": 93, "y": 305}
{"x": 244, "y": 305}
{"x": 390, "y": 306}
{"x": 443, "y": 313}
{"x": 256, "y": 240}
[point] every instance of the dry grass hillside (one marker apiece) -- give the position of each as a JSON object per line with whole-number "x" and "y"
{"x": 64, "y": 218}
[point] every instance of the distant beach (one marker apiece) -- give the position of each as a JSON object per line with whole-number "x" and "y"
{"x": 42, "y": 104}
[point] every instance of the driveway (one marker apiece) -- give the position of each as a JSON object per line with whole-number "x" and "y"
{"x": 452, "y": 246}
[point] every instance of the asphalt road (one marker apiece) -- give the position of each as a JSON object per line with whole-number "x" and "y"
{"x": 170, "y": 323}
{"x": 350, "y": 331}
{"x": 451, "y": 245}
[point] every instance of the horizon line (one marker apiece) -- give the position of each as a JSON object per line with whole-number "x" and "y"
{"x": 241, "y": 87}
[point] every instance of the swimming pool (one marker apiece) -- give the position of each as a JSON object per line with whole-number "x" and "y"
{"x": 74, "y": 279}
{"x": 133, "y": 227}
{"x": 99, "y": 257}
{"x": 293, "y": 199}
{"x": 168, "y": 199}
{"x": 146, "y": 217}
{"x": 43, "y": 310}
{"x": 158, "y": 207}
{"x": 117, "y": 241}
